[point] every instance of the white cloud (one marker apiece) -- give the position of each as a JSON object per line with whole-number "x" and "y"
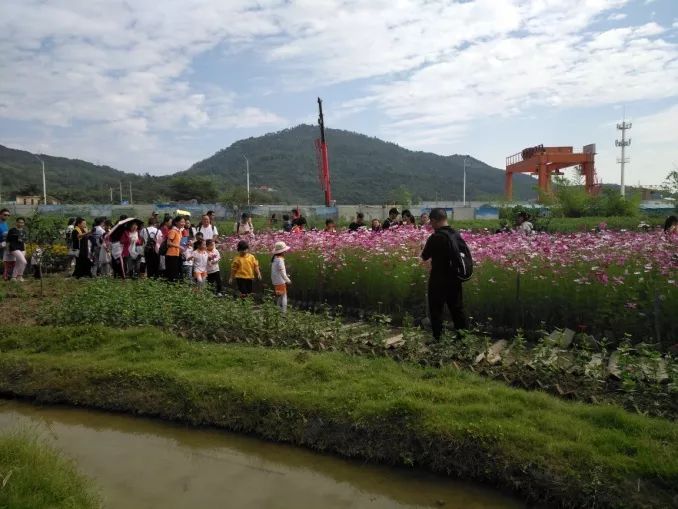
{"x": 510, "y": 75}
{"x": 658, "y": 128}
{"x": 114, "y": 61}
{"x": 123, "y": 70}
{"x": 616, "y": 17}
{"x": 652, "y": 153}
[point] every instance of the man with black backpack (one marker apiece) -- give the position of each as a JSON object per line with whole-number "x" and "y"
{"x": 451, "y": 265}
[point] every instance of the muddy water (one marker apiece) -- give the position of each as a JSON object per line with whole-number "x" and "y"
{"x": 144, "y": 463}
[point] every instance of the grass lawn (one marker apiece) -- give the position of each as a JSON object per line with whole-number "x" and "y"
{"x": 547, "y": 449}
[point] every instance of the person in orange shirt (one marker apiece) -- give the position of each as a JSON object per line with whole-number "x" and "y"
{"x": 244, "y": 269}
{"x": 173, "y": 255}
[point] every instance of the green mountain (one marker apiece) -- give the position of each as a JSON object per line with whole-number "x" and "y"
{"x": 363, "y": 170}
{"x": 71, "y": 180}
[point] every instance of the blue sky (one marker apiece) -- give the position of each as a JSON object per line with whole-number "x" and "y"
{"x": 155, "y": 86}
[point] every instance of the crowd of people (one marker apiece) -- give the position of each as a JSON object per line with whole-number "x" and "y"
{"x": 170, "y": 248}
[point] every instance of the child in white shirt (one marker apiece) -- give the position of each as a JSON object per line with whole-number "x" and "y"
{"x": 199, "y": 258}
{"x": 279, "y": 276}
{"x": 213, "y": 274}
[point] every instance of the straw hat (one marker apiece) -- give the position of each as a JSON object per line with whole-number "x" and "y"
{"x": 280, "y": 247}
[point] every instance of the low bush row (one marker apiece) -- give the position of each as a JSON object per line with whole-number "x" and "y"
{"x": 637, "y": 377}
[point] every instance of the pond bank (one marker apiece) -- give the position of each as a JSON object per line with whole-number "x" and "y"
{"x": 142, "y": 463}
{"x": 560, "y": 453}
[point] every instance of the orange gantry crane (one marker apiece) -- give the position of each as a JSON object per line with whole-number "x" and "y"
{"x": 546, "y": 161}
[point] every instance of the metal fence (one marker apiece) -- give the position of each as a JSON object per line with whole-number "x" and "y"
{"x": 346, "y": 212}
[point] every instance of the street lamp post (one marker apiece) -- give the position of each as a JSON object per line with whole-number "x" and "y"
{"x": 247, "y": 165}
{"x": 44, "y": 185}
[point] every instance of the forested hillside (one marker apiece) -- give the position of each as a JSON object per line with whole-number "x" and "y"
{"x": 363, "y": 169}
{"x": 70, "y": 180}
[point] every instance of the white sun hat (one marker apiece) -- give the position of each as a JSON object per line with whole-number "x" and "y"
{"x": 280, "y": 247}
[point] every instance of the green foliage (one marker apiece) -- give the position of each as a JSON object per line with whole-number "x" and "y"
{"x": 73, "y": 180}
{"x": 202, "y": 189}
{"x": 401, "y": 196}
{"x": 237, "y": 196}
{"x": 553, "y": 451}
{"x": 34, "y": 476}
{"x": 670, "y": 185}
{"x": 177, "y": 307}
{"x": 654, "y": 384}
{"x": 46, "y": 230}
{"x": 572, "y": 200}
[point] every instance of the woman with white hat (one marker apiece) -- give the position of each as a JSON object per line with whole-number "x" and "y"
{"x": 279, "y": 276}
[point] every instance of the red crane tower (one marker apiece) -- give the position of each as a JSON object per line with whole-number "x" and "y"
{"x": 323, "y": 160}
{"x": 546, "y": 161}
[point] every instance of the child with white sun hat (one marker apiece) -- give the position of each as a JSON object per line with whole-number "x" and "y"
{"x": 279, "y": 276}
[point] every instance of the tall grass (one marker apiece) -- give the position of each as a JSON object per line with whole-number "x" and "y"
{"x": 34, "y": 476}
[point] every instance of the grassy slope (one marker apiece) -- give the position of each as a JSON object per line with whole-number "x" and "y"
{"x": 33, "y": 476}
{"x": 448, "y": 421}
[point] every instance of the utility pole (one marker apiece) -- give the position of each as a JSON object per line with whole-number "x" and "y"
{"x": 120, "y": 182}
{"x": 623, "y": 143}
{"x": 247, "y": 165}
{"x": 111, "y": 190}
{"x": 465, "y": 158}
{"x": 44, "y": 185}
{"x": 131, "y": 201}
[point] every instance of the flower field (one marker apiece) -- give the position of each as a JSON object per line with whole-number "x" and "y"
{"x": 607, "y": 284}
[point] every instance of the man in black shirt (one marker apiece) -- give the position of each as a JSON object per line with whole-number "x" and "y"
{"x": 358, "y": 223}
{"x": 391, "y": 219}
{"x": 287, "y": 224}
{"x": 443, "y": 285}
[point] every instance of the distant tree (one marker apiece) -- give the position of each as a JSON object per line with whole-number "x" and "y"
{"x": 29, "y": 190}
{"x": 670, "y": 185}
{"x": 571, "y": 200}
{"x": 237, "y": 197}
{"x": 201, "y": 189}
{"x": 401, "y": 195}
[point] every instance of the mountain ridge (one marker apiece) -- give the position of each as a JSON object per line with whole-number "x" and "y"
{"x": 364, "y": 169}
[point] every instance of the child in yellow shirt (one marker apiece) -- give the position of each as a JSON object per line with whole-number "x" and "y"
{"x": 244, "y": 269}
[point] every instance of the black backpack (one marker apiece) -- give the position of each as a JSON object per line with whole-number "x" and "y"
{"x": 149, "y": 246}
{"x": 461, "y": 261}
{"x": 163, "y": 247}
